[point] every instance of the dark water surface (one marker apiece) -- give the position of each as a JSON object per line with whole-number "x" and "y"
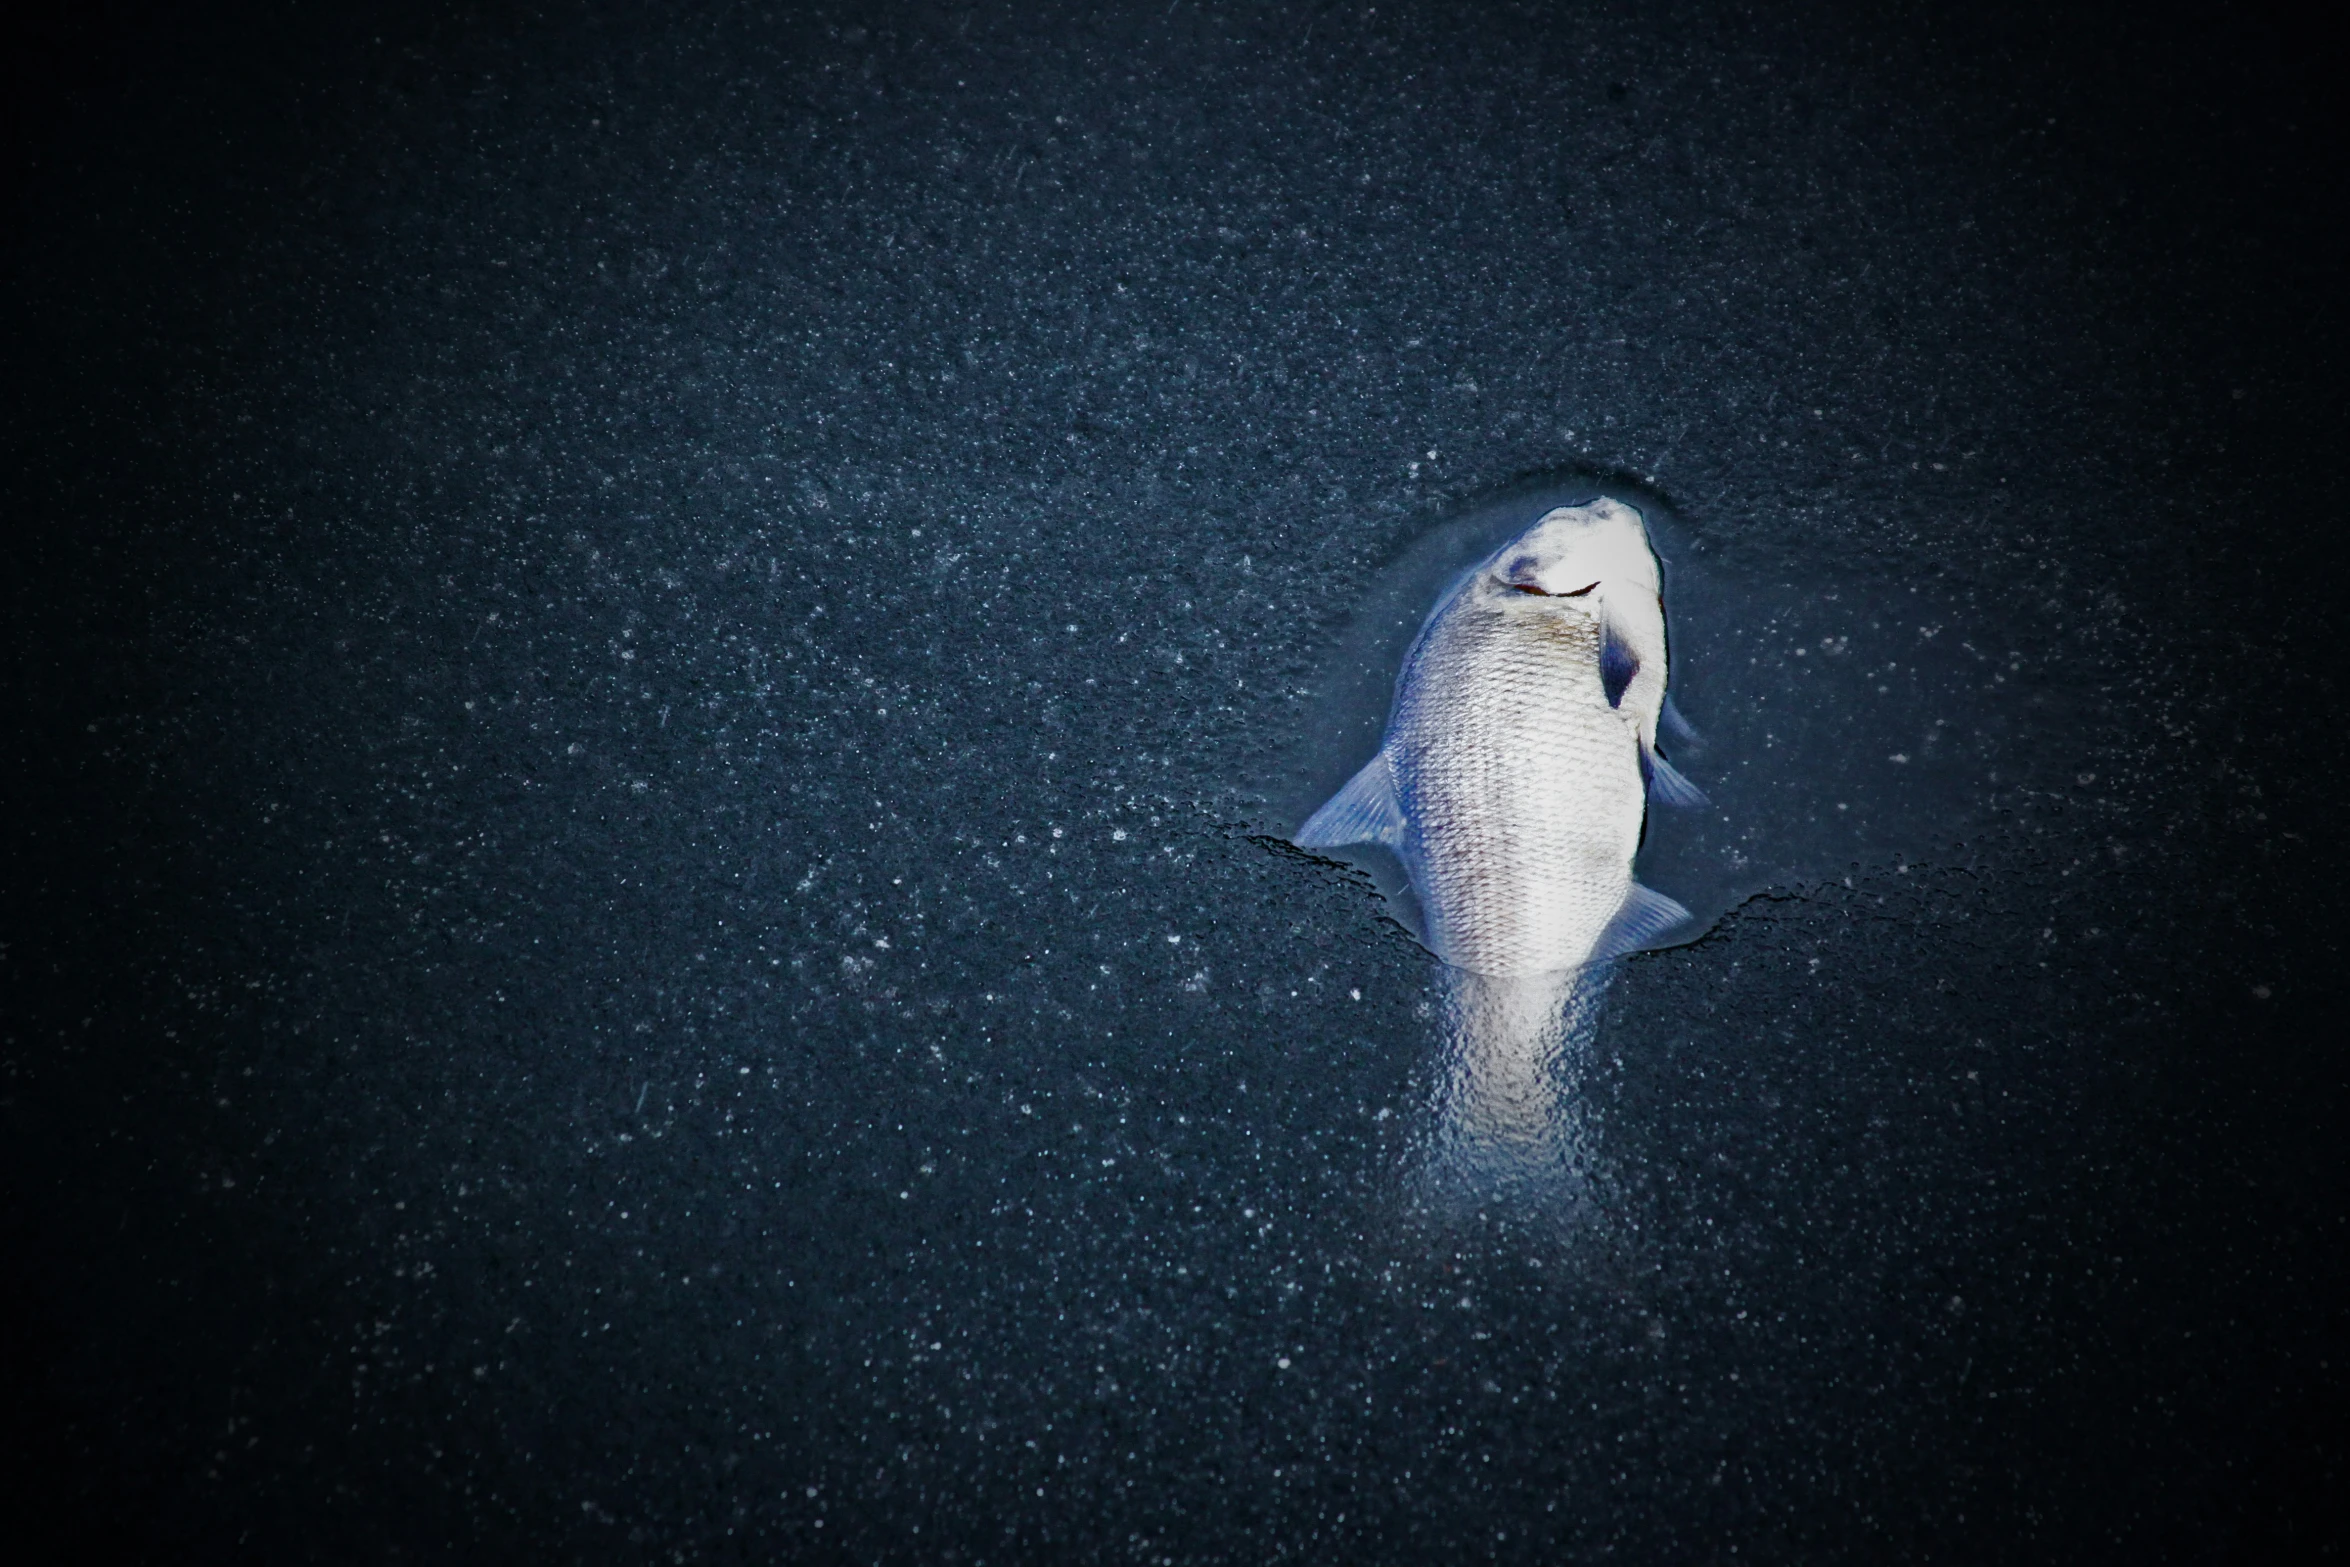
{"x": 644, "y": 916}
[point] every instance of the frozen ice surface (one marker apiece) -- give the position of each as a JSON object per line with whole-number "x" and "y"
{"x": 637, "y": 927}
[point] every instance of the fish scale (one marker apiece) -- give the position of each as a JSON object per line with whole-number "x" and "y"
{"x": 1520, "y": 786}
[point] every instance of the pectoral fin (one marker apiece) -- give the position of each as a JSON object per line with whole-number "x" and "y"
{"x": 1617, "y": 663}
{"x": 1673, "y": 723}
{"x": 1363, "y": 812}
{"x": 1645, "y": 920}
{"x": 1666, "y": 786}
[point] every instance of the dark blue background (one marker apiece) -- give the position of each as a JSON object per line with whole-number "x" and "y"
{"x": 537, "y": 543}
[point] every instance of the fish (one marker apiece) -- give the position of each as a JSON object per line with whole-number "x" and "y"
{"x": 1521, "y": 753}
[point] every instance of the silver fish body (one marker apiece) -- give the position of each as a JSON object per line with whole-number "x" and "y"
{"x": 1518, "y": 785}
{"x": 1514, "y": 774}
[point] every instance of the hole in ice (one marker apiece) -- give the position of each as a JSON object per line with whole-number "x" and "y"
{"x": 1835, "y": 716}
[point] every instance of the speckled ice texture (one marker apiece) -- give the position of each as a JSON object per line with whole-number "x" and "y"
{"x": 632, "y": 927}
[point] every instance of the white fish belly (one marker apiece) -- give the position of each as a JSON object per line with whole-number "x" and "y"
{"x": 1521, "y": 790}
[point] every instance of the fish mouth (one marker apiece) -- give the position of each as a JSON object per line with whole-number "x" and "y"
{"x": 1543, "y": 592}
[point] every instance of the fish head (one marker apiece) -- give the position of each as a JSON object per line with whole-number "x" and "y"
{"x": 1581, "y": 555}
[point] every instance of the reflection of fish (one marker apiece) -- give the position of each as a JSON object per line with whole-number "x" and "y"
{"x": 1513, "y": 777}
{"x": 1512, "y": 1130}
